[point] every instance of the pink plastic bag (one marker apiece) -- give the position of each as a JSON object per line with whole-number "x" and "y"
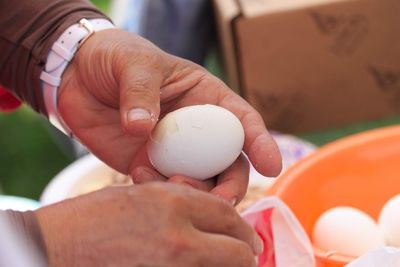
{"x": 285, "y": 242}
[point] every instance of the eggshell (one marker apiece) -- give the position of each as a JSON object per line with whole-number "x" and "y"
{"x": 348, "y": 231}
{"x": 389, "y": 221}
{"x": 197, "y": 141}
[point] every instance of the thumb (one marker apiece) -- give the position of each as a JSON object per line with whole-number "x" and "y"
{"x": 139, "y": 100}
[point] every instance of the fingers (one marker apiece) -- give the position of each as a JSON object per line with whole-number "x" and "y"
{"x": 214, "y": 215}
{"x": 262, "y": 150}
{"x": 219, "y": 250}
{"x": 145, "y": 174}
{"x": 206, "y": 185}
{"x": 264, "y": 154}
{"x": 139, "y": 100}
{"x": 142, "y": 175}
{"x": 232, "y": 183}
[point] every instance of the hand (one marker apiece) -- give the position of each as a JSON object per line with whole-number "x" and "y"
{"x": 147, "y": 225}
{"x": 117, "y": 87}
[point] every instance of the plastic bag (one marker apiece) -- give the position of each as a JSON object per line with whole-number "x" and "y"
{"x": 387, "y": 257}
{"x": 285, "y": 242}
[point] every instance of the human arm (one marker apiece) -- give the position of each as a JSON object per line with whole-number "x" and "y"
{"x": 115, "y": 77}
{"x": 27, "y": 32}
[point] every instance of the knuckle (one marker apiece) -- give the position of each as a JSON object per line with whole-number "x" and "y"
{"x": 140, "y": 90}
{"x": 175, "y": 201}
{"x": 137, "y": 88}
{"x": 177, "y": 246}
{"x": 231, "y": 223}
{"x": 173, "y": 196}
{"x": 230, "y": 216}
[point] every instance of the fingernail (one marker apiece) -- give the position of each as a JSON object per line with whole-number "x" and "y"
{"x": 138, "y": 114}
{"x": 258, "y": 245}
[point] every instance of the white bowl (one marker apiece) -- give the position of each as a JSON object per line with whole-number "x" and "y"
{"x": 88, "y": 173}
{"x": 18, "y": 203}
{"x": 85, "y": 175}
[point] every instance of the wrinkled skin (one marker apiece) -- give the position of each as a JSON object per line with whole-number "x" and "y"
{"x": 111, "y": 96}
{"x": 115, "y": 72}
{"x": 154, "y": 224}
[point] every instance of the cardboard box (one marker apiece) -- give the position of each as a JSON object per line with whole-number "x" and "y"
{"x": 308, "y": 65}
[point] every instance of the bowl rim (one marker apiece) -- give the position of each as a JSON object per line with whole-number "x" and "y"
{"x": 333, "y": 256}
{"x": 58, "y": 188}
{"x": 329, "y": 149}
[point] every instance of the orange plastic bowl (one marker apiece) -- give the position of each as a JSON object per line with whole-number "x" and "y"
{"x": 362, "y": 171}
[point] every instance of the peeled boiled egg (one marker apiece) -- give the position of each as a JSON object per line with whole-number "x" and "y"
{"x": 389, "y": 221}
{"x": 198, "y": 141}
{"x": 348, "y": 231}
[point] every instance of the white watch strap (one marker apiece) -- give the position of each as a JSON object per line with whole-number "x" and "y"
{"x": 62, "y": 52}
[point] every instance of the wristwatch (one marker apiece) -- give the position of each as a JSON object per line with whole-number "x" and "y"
{"x": 61, "y": 53}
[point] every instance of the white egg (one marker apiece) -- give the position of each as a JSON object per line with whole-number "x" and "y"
{"x": 197, "y": 141}
{"x": 348, "y": 231}
{"x": 389, "y": 222}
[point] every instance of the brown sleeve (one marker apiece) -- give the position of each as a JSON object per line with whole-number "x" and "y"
{"x": 27, "y": 227}
{"x": 27, "y": 31}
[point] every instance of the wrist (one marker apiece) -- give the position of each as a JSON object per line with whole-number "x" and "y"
{"x": 61, "y": 54}
{"x": 57, "y": 233}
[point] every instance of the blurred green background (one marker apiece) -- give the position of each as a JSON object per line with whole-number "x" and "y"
{"x": 102, "y": 4}
{"x": 31, "y": 152}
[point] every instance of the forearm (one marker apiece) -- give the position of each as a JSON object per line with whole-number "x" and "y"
{"x": 27, "y": 32}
